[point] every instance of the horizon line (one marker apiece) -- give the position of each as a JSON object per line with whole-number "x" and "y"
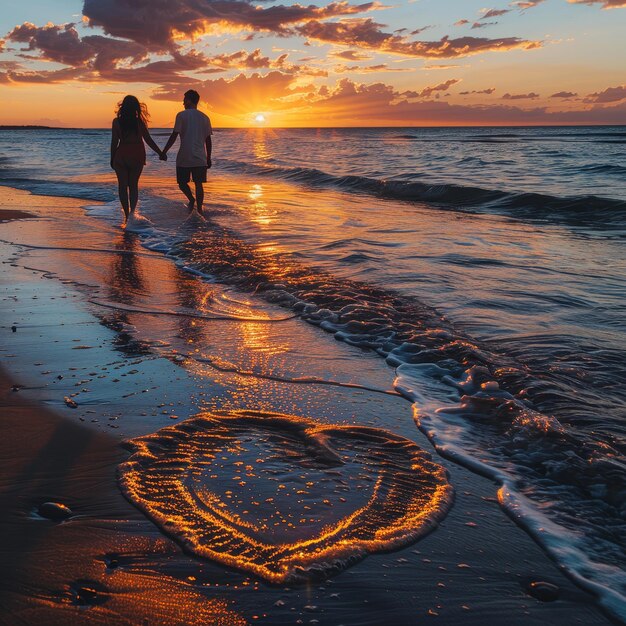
{"x": 266, "y": 127}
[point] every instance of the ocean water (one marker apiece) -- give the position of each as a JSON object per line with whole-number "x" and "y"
{"x": 485, "y": 266}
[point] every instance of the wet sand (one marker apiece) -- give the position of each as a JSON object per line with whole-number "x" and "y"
{"x": 108, "y": 563}
{"x": 6, "y": 215}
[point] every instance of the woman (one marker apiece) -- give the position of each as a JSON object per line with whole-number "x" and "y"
{"x": 128, "y": 154}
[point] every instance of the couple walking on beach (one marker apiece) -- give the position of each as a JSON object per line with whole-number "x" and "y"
{"x": 128, "y": 154}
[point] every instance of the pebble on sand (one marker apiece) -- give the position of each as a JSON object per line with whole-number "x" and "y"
{"x": 88, "y": 593}
{"x": 54, "y": 511}
{"x": 542, "y": 590}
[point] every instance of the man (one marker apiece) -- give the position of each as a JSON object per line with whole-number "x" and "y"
{"x": 194, "y": 155}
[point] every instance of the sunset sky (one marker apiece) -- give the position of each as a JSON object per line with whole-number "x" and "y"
{"x": 338, "y": 63}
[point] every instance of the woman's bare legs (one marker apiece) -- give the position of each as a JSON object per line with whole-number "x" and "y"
{"x": 122, "y": 188}
{"x": 133, "y": 186}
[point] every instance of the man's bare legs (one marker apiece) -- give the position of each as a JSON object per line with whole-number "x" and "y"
{"x": 199, "y": 197}
{"x": 184, "y": 187}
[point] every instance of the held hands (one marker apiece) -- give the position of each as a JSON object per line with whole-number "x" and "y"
{"x": 162, "y": 155}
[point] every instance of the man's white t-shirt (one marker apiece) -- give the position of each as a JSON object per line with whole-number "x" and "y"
{"x": 193, "y": 127}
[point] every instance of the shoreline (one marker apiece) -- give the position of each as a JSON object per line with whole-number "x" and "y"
{"x": 423, "y": 576}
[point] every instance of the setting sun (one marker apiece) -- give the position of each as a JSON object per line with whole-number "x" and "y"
{"x": 260, "y": 118}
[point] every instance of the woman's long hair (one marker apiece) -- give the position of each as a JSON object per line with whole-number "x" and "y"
{"x": 130, "y": 112}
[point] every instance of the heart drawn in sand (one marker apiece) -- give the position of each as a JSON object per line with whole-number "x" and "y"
{"x": 281, "y": 496}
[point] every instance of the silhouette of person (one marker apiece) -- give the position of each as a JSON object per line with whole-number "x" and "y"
{"x": 128, "y": 154}
{"x": 194, "y": 155}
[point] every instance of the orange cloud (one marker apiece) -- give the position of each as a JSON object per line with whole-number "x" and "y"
{"x": 247, "y": 60}
{"x": 382, "y": 104}
{"x": 476, "y": 25}
{"x": 365, "y": 33}
{"x": 351, "y": 55}
{"x": 96, "y": 58}
{"x": 49, "y": 76}
{"x": 368, "y": 69}
{"x": 439, "y": 66}
{"x": 611, "y": 94}
{"x": 56, "y": 43}
{"x": 564, "y": 94}
{"x": 606, "y": 4}
{"x": 158, "y": 23}
{"x": 526, "y": 4}
{"x": 242, "y": 94}
{"x": 520, "y": 96}
{"x": 487, "y": 92}
{"x": 494, "y": 13}
{"x": 62, "y": 44}
{"x": 429, "y": 91}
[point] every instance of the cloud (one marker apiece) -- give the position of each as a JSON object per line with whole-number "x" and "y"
{"x": 56, "y": 43}
{"x": 461, "y": 23}
{"x": 429, "y": 91}
{"x": 564, "y": 94}
{"x": 439, "y": 66}
{"x": 494, "y": 13}
{"x": 246, "y": 60}
{"x": 10, "y": 65}
{"x": 241, "y": 94}
{"x": 417, "y": 31}
{"x": 611, "y": 94}
{"x": 365, "y": 33}
{"x": 97, "y": 58}
{"x": 520, "y": 96}
{"x": 606, "y": 4}
{"x": 368, "y": 69}
{"x": 47, "y": 76}
{"x": 351, "y": 55}
{"x": 487, "y": 92}
{"x": 482, "y": 24}
{"x": 170, "y": 70}
{"x": 348, "y": 101}
{"x": 159, "y": 23}
{"x": 526, "y": 4}
{"x": 62, "y": 44}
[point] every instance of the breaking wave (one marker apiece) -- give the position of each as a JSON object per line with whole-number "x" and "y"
{"x": 594, "y": 211}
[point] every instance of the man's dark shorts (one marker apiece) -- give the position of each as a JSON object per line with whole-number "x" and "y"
{"x": 197, "y": 174}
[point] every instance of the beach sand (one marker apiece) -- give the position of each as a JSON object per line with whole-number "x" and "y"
{"x": 89, "y": 319}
